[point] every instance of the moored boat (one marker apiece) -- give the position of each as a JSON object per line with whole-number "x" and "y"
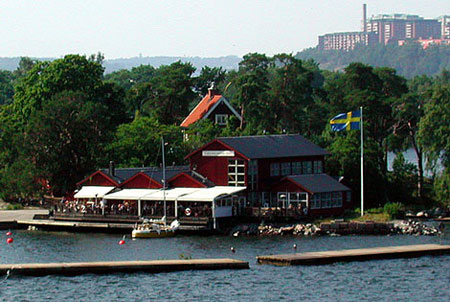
{"x": 155, "y": 229}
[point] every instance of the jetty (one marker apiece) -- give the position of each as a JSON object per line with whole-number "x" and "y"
{"x": 152, "y": 266}
{"x": 327, "y": 257}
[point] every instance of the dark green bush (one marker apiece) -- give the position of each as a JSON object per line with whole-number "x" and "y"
{"x": 394, "y": 209}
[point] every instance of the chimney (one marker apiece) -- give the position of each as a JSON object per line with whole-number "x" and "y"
{"x": 212, "y": 90}
{"x": 364, "y": 27}
{"x": 112, "y": 169}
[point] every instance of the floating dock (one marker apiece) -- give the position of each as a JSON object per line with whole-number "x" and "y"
{"x": 153, "y": 266}
{"x": 327, "y": 257}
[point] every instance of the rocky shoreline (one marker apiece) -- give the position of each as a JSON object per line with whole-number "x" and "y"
{"x": 337, "y": 228}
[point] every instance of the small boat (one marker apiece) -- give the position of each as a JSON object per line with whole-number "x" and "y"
{"x": 155, "y": 229}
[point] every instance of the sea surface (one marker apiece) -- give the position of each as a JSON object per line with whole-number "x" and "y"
{"x": 417, "y": 279}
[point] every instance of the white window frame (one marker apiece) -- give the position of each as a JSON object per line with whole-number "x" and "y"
{"x": 221, "y": 119}
{"x": 235, "y": 177}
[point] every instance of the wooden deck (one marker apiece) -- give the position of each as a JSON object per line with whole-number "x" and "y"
{"x": 154, "y": 266}
{"x": 326, "y": 257}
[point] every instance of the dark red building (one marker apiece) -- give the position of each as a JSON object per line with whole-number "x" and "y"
{"x": 278, "y": 170}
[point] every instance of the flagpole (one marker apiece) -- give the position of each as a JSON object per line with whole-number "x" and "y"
{"x": 362, "y": 163}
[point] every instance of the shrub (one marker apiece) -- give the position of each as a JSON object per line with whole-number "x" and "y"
{"x": 394, "y": 209}
{"x": 15, "y": 206}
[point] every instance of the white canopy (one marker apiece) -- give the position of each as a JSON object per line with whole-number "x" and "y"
{"x": 171, "y": 194}
{"x": 93, "y": 191}
{"x": 209, "y": 194}
{"x": 131, "y": 194}
{"x": 184, "y": 194}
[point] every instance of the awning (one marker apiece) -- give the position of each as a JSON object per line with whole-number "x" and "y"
{"x": 171, "y": 194}
{"x": 131, "y": 194}
{"x": 184, "y": 194}
{"x": 209, "y": 194}
{"x": 93, "y": 191}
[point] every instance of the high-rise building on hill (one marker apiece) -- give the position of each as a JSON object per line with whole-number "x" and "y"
{"x": 385, "y": 29}
{"x": 395, "y": 27}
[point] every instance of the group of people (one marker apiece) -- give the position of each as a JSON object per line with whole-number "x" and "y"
{"x": 94, "y": 207}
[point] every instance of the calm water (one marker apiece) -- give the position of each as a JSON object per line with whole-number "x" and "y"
{"x": 419, "y": 279}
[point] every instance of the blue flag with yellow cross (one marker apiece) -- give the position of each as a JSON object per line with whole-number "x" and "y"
{"x": 346, "y": 121}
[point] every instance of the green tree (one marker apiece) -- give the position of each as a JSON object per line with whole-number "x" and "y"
{"x": 434, "y": 129}
{"x": 172, "y": 93}
{"x": 138, "y": 143}
{"x": 46, "y": 79}
{"x": 207, "y": 76}
{"x": 252, "y": 94}
{"x": 6, "y": 87}
{"x": 66, "y": 138}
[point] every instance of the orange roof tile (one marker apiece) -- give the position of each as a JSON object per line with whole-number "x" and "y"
{"x": 201, "y": 109}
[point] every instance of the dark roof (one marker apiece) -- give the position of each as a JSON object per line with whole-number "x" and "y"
{"x": 273, "y": 146}
{"x": 318, "y": 183}
{"x": 156, "y": 173}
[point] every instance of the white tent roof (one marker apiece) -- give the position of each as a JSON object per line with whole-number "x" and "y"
{"x": 171, "y": 194}
{"x": 93, "y": 191}
{"x": 185, "y": 194}
{"x": 209, "y": 194}
{"x": 131, "y": 194}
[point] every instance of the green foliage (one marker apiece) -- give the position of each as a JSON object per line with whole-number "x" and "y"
{"x": 441, "y": 187}
{"x": 138, "y": 144}
{"x": 402, "y": 181}
{"x": 11, "y": 207}
{"x": 66, "y": 137}
{"x": 171, "y": 93}
{"x": 434, "y": 130}
{"x": 394, "y": 209}
{"x": 46, "y": 79}
{"x": 409, "y": 60}
{"x": 6, "y": 87}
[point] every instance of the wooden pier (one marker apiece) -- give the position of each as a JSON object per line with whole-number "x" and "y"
{"x": 327, "y": 257}
{"x": 153, "y": 266}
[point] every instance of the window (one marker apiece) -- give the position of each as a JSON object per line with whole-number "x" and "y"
{"x": 275, "y": 169}
{"x": 236, "y": 172}
{"x": 285, "y": 169}
{"x": 221, "y": 119}
{"x": 325, "y": 200}
{"x": 336, "y": 199}
{"x": 348, "y": 196}
{"x": 318, "y": 166}
{"x": 253, "y": 175}
{"x": 315, "y": 201}
{"x": 296, "y": 168}
{"x": 307, "y": 167}
{"x": 296, "y": 198}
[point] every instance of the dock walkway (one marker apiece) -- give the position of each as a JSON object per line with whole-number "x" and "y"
{"x": 326, "y": 257}
{"x": 153, "y": 266}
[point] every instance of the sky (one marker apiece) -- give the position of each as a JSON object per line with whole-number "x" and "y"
{"x": 204, "y": 28}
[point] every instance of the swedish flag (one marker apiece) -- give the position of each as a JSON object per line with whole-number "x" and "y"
{"x": 346, "y": 121}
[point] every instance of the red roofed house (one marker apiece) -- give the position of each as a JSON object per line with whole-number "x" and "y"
{"x": 213, "y": 106}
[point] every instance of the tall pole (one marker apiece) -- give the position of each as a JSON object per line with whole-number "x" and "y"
{"x": 362, "y": 163}
{"x": 164, "y": 180}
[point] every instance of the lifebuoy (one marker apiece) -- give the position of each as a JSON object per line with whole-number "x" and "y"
{"x": 187, "y": 212}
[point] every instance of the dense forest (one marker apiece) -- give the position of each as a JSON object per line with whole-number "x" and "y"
{"x": 62, "y": 120}
{"x": 408, "y": 60}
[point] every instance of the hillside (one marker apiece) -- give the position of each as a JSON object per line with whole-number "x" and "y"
{"x": 228, "y": 62}
{"x": 409, "y": 60}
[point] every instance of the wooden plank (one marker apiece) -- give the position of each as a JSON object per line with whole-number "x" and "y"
{"x": 326, "y": 257}
{"x": 153, "y": 266}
